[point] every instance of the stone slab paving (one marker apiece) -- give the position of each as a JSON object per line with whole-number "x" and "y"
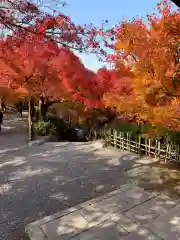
{"x": 167, "y": 226}
{"x": 149, "y": 210}
{"x": 127, "y": 213}
{"x": 41, "y": 180}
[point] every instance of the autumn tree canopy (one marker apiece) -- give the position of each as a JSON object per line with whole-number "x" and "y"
{"x": 144, "y": 83}
{"x": 25, "y": 26}
{"x": 27, "y": 64}
{"x": 23, "y": 16}
{"x": 44, "y": 68}
{"x": 152, "y": 53}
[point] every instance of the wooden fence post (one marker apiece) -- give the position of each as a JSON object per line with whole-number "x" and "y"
{"x": 125, "y": 142}
{"x": 167, "y": 152}
{"x": 139, "y": 144}
{"x": 149, "y": 147}
{"x": 136, "y": 144}
{"x": 110, "y": 135}
{"x": 115, "y": 138}
{"x": 122, "y": 141}
{"x": 156, "y": 146}
{"x": 145, "y": 142}
{"x": 159, "y": 149}
{"x": 129, "y": 142}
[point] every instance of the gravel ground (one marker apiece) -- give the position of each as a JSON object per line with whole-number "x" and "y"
{"x": 40, "y": 180}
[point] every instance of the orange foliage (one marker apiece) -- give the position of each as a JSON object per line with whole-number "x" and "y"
{"x": 145, "y": 84}
{"x": 152, "y": 53}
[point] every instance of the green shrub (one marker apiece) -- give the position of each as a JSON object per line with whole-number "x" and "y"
{"x": 44, "y": 128}
{"x": 147, "y": 131}
{"x": 132, "y": 128}
{"x": 59, "y": 124}
{"x": 173, "y": 137}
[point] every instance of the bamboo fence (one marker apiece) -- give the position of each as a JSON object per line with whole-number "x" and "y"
{"x": 141, "y": 145}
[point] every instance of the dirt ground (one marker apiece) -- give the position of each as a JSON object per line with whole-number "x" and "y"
{"x": 158, "y": 176}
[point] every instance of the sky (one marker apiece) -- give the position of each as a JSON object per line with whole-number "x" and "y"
{"x": 97, "y": 11}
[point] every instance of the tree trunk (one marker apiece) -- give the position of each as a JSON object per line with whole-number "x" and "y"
{"x": 40, "y": 110}
{"x": 29, "y": 118}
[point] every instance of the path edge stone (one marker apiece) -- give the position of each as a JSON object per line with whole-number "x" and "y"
{"x": 34, "y": 228}
{"x": 39, "y": 142}
{"x": 35, "y": 234}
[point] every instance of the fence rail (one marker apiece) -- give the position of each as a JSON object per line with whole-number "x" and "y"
{"x": 140, "y": 145}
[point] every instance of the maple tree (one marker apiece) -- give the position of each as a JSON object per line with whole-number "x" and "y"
{"x": 26, "y": 22}
{"x": 152, "y": 53}
{"x": 29, "y": 23}
{"x": 27, "y": 65}
{"x": 144, "y": 84}
{"x": 22, "y": 16}
{"x": 45, "y": 69}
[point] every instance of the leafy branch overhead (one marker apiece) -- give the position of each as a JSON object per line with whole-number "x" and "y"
{"x": 143, "y": 83}
{"x": 22, "y": 17}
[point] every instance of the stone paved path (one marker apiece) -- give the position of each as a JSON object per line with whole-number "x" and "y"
{"x": 129, "y": 213}
{"x": 14, "y": 132}
{"x": 42, "y": 180}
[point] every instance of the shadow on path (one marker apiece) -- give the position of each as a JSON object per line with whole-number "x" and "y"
{"x": 14, "y": 132}
{"x": 40, "y": 180}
